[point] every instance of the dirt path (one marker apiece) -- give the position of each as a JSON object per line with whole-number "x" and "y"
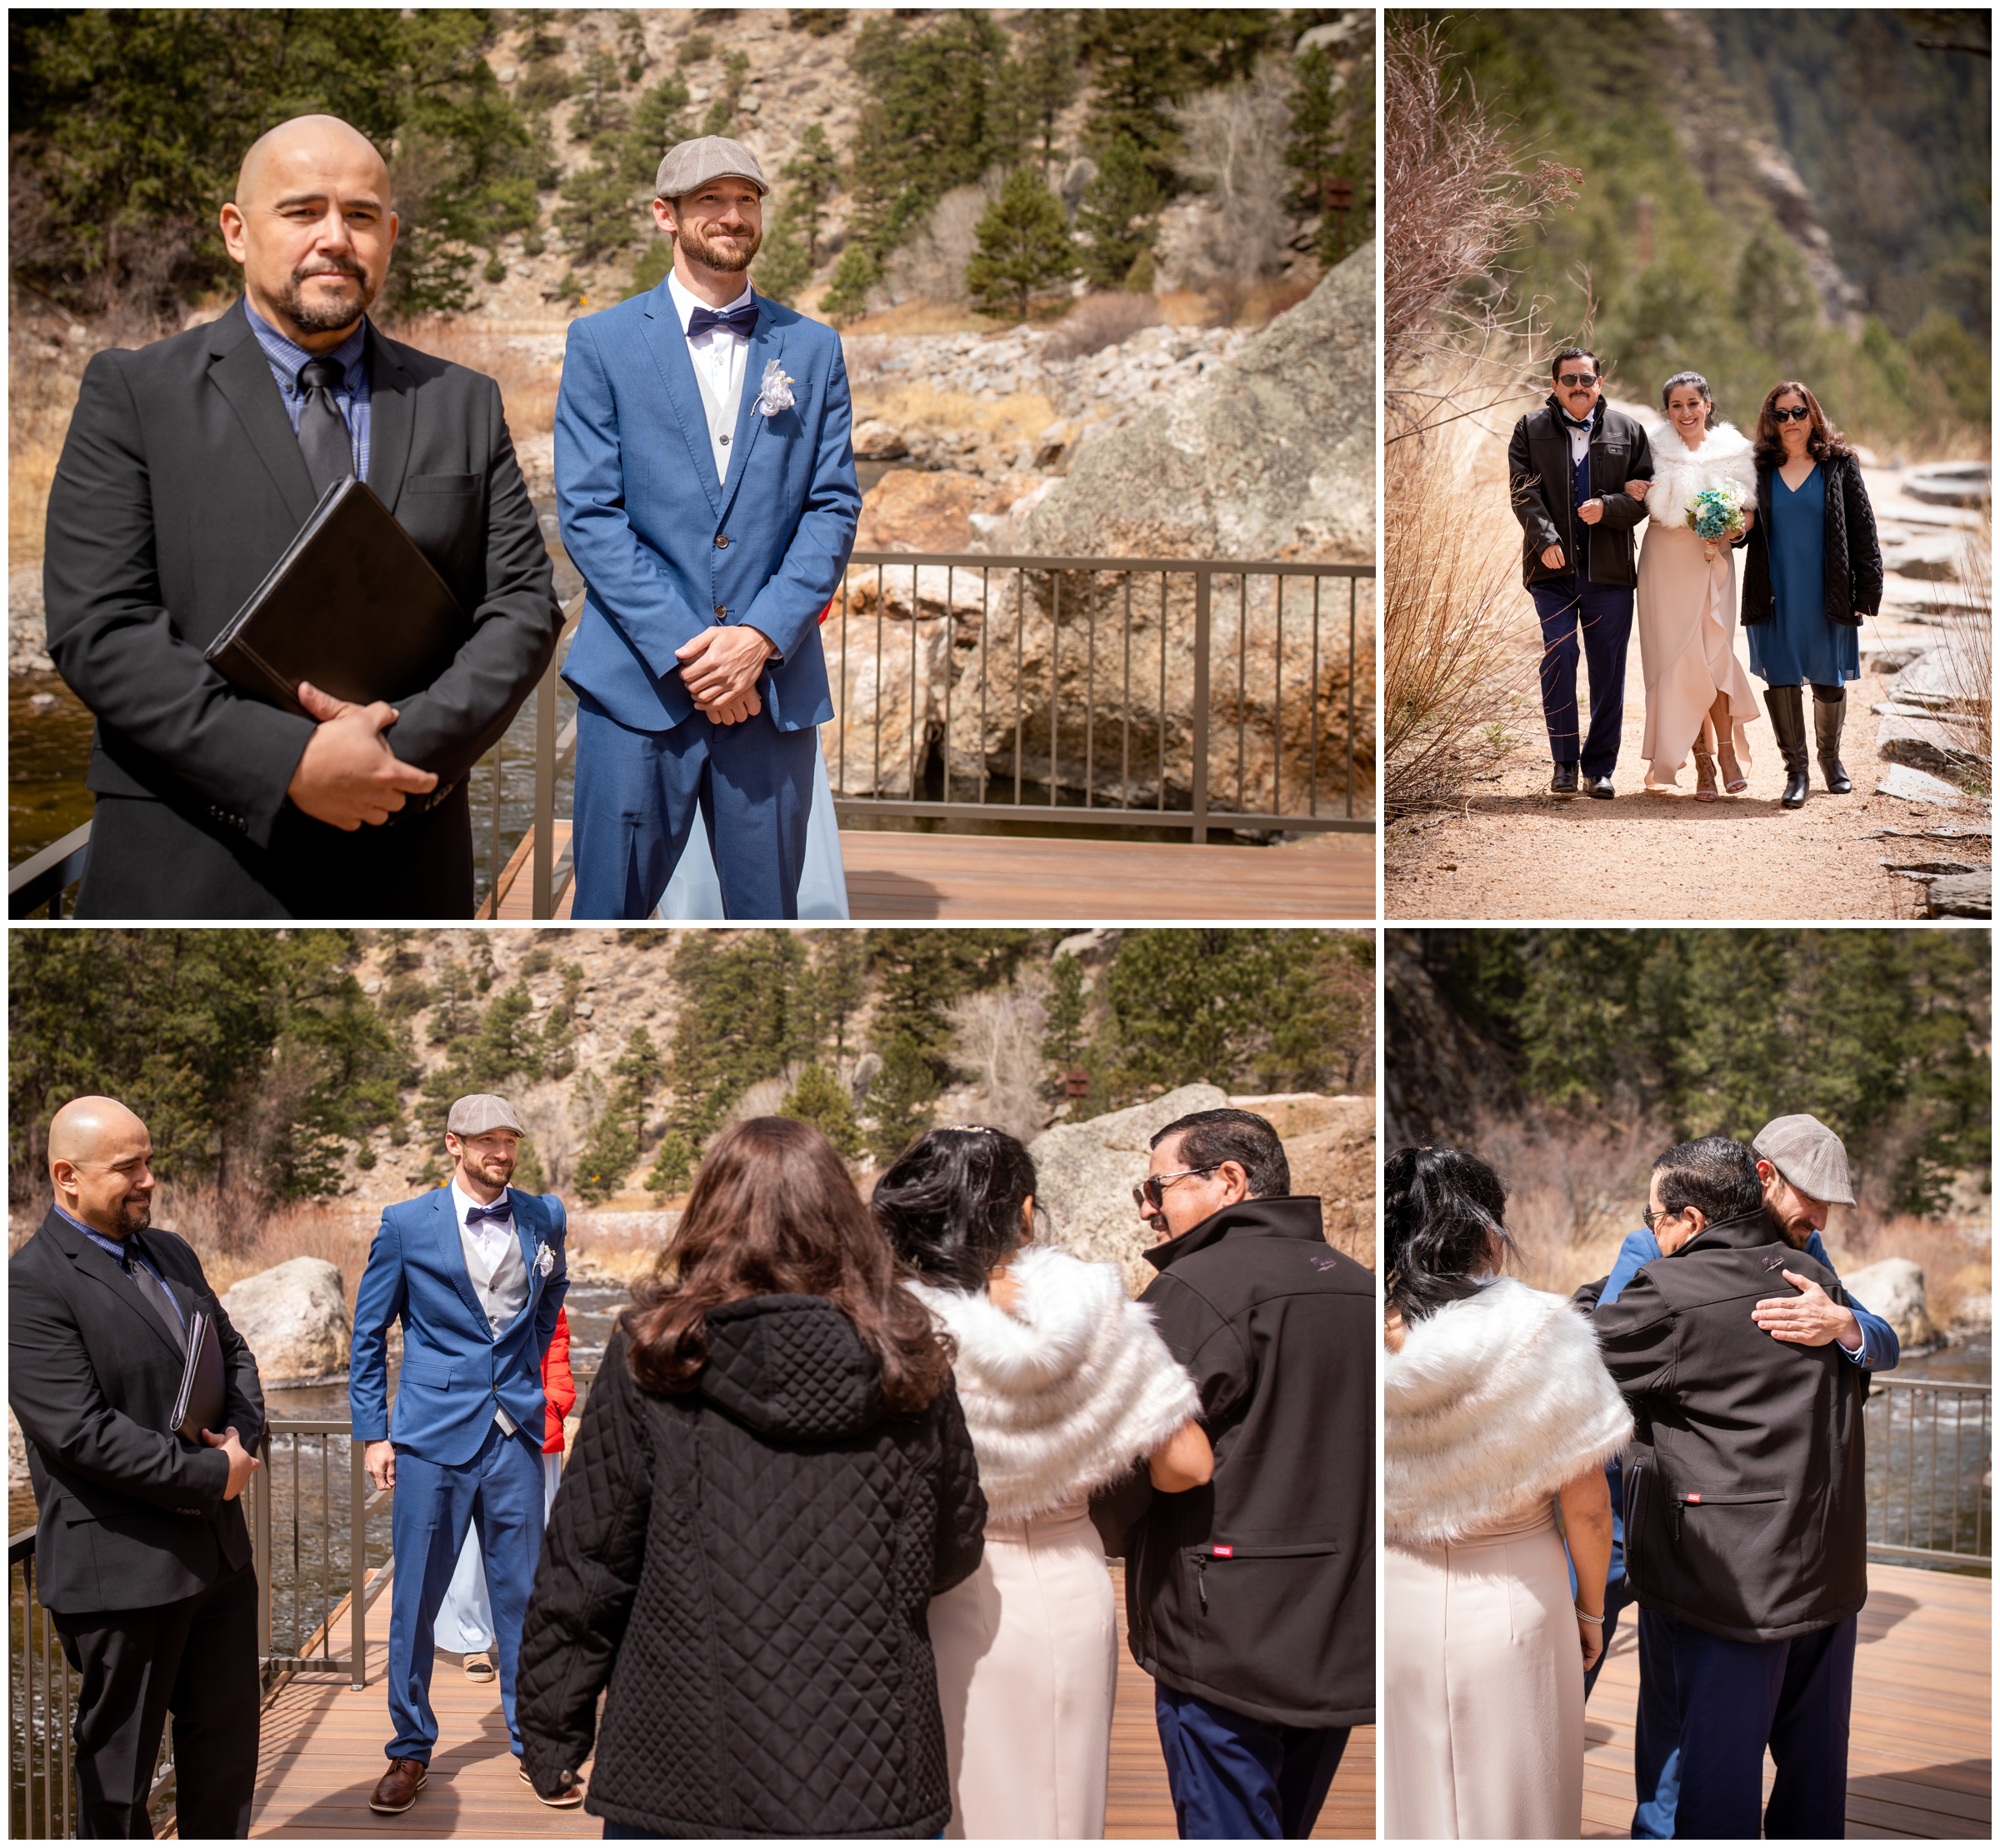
{"x": 1516, "y": 852}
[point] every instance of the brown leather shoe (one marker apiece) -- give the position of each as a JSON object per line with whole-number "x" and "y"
{"x": 400, "y": 1784}
{"x": 572, "y": 1793}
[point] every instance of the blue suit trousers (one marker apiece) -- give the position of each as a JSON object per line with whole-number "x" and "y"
{"x": 499, "y": 1496}
{"x": 1601, "y": 615}
{"x": 1237, "y": 1779}
{"x": 638, "y": 793}
{"x": 1734, "y": 1698}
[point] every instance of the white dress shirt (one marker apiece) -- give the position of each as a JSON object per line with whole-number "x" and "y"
{"x": 718, "y": 354}
{"x": 494, "y": 1264}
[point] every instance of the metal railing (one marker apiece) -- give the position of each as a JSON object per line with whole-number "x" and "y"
{"x": 1930, "y": 1449}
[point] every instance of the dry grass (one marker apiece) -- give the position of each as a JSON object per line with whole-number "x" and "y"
{"x": 918, "y": 317}
{"x": 1451, "y": 595}
{"x": 1957, "y": 1267}
{"x": 1018, "y": 418}
{"x": 44, "y": 373}
{"x": 1109, "y": 318}
{"x": 528, "y": 384}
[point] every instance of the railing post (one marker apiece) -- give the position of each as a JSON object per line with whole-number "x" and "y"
{"x": 544, "y": 893}
{"x": 1198, "y": 786}
{"x": 358, "y": 1564}
{"x": 265, "y": 1567}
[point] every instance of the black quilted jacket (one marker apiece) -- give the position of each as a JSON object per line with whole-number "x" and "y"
{"x": 1853, "y": 554}
{"x": 748, "y": 1564}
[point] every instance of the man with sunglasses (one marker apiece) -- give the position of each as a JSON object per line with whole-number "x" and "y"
{"x": 1568, "y": 465}
{"x": 1251, "y": 1600}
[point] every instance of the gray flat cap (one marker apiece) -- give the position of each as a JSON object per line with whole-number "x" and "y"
{"x": 693, "y": 163}
{"x": 1808, "y": 1155}
{"x": 476, "y": 1114}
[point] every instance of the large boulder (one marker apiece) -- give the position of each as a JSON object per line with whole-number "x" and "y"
{"x": 294, "y": 1317}
{"x": 1269, "y": 455}
{"x": 1335, "y": 1158}
{"x": 919, "y": 510}
{"x": 1893, "y": 1290}
{"x": 1087, "y": 1172}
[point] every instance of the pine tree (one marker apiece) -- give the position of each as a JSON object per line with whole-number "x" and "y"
{"x": 672, "y": 1164}
{"x": 1310, "y": 151}
{"x": 1118, "y": 216}
{"x": 900, "y": 1099}
{"x": 598, "y": 215}
{"x": 1143, "y": 59}
{"x": 659, "y": 119}
{"x": 600, "y": 109}
{"x": 1042, "y": 75}
{"x": 1067, "y": 1004}
{"x": 820, "y": 1099}
{"x": 814, "y": 172}
{"x": 1024, "y": 247}
{"x": 528, "y": 1167}
{"x": 854, "y": 276}
{"x": 783, "y": 268}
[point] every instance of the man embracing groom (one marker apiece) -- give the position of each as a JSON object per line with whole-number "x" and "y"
{"x": 706, "y": 489}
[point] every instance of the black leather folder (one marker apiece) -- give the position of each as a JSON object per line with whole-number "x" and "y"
{"x": 352, "y": 606}
{"x": 197, "y": 1406}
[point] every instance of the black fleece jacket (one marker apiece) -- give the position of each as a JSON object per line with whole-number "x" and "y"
{"x": 1258, "y": 1590}
{"x": 748, "y": 1565}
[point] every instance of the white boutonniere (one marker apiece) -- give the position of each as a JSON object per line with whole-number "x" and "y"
{"x": 545, "y": 1259}
{"x": 776, "y": 393}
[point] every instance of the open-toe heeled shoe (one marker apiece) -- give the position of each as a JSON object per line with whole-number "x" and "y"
{"x": 1704, "y": 776}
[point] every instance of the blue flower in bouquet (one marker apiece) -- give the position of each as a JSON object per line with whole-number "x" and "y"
{"x": 1713, "y": 513}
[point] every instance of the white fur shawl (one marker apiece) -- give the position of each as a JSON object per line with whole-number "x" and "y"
{"x": 1493, "y": 1404}
{"x": 1064, "y": 1399}
{"x": 1680, "y": 473}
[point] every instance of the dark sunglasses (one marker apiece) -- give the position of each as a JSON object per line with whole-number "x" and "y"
{"x": 1148, "y": 1193}
{"x": 1799, "y": 412}
{"x": 1578, "y": 378}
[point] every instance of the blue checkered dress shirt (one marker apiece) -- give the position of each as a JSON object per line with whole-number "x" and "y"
{"x": 286, "y": 356}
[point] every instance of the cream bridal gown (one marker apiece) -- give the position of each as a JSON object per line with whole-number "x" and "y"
{"x": 1686, "y": 603}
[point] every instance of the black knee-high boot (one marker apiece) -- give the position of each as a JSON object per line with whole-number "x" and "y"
{"x": 1786, "y": 706}
{"x": 1829, "y": 714}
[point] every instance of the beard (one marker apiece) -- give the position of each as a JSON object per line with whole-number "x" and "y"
{"x": 135, "y": 1212}
{"x": 732, "y": 258}
{"x": 325, "y": 316}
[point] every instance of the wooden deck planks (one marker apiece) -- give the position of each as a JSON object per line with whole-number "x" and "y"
{"x": 321, "y": 1752}
{"x": 954, "y": 877}
{"x": 1919, "y": 1762}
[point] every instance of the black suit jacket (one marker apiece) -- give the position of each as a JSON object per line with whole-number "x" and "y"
{"x": 1745, "y": 1485}
{"x": 131, "y": 1514}
{"x": 180, "y": 483}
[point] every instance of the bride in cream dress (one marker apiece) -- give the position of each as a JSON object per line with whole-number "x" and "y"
{"x": 1698, "y": 695}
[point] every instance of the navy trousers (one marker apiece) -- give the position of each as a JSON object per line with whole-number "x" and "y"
{"x": 638, "y": 793}
{"x": 1732, "y": 1699}
{"x": 1237, "y": 1779}
{"x": 1601, "y": 615}
{"x": 1656, "y": 1757}
{"x": 500, "y": 1494}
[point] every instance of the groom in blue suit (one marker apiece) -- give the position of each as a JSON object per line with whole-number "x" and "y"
{"x": 705, "y": 486}
{"x": 475, "y": 1271}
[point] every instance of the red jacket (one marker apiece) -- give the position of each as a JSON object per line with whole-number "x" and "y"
{"x": 558, "y": 1385}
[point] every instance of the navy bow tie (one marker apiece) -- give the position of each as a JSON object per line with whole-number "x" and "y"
{"x": 500, "y": 1210}
{"x": 741, "y": 319}
{"x": 1588, "y": 423}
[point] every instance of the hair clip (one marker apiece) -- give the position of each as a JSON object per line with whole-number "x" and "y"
{"x": 970, "y": 1129}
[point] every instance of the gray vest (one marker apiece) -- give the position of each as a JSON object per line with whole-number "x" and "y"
{"x": 721, "y": 414}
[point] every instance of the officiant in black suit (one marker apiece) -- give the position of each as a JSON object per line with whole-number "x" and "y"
{"x": 142, "y": 1554}
{"x": 189, "y": 468}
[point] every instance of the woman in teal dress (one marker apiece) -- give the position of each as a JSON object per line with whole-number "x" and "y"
{"x": 1813, "y": 571}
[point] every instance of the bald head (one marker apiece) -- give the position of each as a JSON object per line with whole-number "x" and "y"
{"x": 100, "y": 1164}
{"x": 310, "y": 225}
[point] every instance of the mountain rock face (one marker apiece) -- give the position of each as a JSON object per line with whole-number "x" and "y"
{"x": 1269, "y": 454}
{"x": 1438, "y": 1073}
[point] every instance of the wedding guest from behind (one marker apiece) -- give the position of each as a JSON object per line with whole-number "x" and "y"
{"x": 773, "y": 1480}
{"x": 705, "y": 482}
{"x": 1813, "y": 571}
{"x": 1570, "y": 469}
{"x": 189, "y": 468}
{"x": 1251, "y": 1600}
{"x": 1697, "y": 696}
{"x": 465, "y": 1620}
{"x": 1065, "y": 1384}
{"x": 1815, "y": 1174}
{"x": 1745, "y": 1508}
{"x": 1497, "y": 1412}
{"x": 474, "y": 1270}
{"x": 143, "y": 1557}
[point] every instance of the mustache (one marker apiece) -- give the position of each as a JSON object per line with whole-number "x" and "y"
{"x": 331, "y": 265}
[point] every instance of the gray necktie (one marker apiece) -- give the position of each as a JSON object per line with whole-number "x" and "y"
{"x": 323, "y": 430}
{"x": 155, "y": 1294}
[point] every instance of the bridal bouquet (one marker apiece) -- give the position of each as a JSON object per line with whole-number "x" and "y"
{"x": 1716, "y": 512}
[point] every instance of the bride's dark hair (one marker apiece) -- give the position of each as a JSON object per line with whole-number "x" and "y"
{"x": 1441, "y": 1211}
{"x": 951, "y": 1204}
{"x": 1699, "y": 383}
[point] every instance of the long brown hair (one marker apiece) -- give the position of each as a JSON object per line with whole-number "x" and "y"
{"x": 774, "y": 1212}
{"x": 1823, "y": 441}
